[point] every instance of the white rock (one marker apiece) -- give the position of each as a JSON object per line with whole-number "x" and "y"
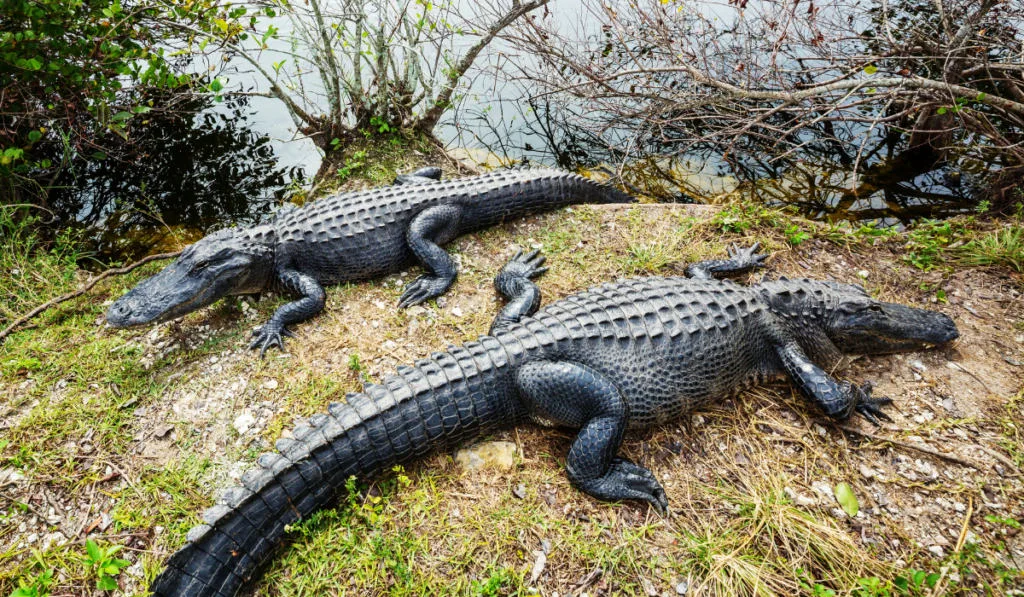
{"x": 270, "y": 384}
{"x": 243, "y": 422}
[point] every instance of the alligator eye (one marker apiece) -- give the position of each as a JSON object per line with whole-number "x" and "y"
{"x": 875, "y": 308}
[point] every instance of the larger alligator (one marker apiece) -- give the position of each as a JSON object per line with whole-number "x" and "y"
{"x": 346, "y": 237}
{"x": 621, "y": 356}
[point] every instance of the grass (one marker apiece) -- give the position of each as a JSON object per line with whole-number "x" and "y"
{"x": 84, "y": 406}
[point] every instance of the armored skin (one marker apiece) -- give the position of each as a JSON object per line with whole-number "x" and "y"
{"x": 348, "y": 237}
{"x": 621, "y": 356}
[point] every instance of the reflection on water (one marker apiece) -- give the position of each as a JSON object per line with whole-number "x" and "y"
{"x": 890, "y": 182}
{"x": 184, "y": 171}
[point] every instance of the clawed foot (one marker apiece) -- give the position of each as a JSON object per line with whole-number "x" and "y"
{"x": 271, "y": 334}
{"x": 423, "y": 289}
{"x": 868, "y": 406}
{"x": 747, "y": 258}
{"x": 521, "y": 267}
{"x": 627, "y": 481}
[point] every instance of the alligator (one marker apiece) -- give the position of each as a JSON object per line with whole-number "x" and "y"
{"x": 621, "y": 356}
{"x": 348, "y": 237}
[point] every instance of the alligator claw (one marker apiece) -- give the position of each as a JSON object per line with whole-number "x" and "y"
{"x": 423, "y": 289}
{"x": 524, "y": 266}
{"x": 269, "y": 335}
{"x": 747, "y": 257}
{"x": 627, "y": 481}
{"x": 868, "y": 406}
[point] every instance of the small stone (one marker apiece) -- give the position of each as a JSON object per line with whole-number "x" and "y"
{"x": 863, "y": 274}
{"x": 163, "y": 430}
{"x": 270, "y": 384}
{"x": 499, "y": 455}
{"x": 937, "y": 551}
{"x": 243, "y": 422}
{"x": 917, "y": 365}
{"x": 457, "y": 312}
{"x": 540, "y": 561}
{"x": 519, "y": 491}
{"x": 682, "y": 587}
{"x": 867, "y": 472}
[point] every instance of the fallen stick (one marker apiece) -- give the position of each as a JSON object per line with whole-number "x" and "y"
{"x": 67, "y": 297}
{"x": 922, "y": 449}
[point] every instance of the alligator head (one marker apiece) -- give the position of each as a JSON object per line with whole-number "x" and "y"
{"x": 847, "y": 318}
{"x": 221, "y": 264}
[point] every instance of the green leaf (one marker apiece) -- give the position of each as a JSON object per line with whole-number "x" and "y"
{"x": 106, "y": 583}
{"x": 870, "y": 69}
{"x": 941, "y": 110}
{"x": 121, "y": 116}
{"x": 846, "y": 499}
{"x": 216, "y": 85}
{"x": 34, "y": 136}
{"x": 95, "y": 555}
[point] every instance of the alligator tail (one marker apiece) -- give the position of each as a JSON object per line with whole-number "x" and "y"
{"x": 450, "y": 397}
{"x": 597, "y": 192}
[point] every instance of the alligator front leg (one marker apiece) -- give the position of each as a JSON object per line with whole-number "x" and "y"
{"x": 577, "y": 396}
{"x": 514, "y": 283}
{"x": 739, "y": 261}
{"x": 311, "y": 303}
{"x": 429, "y": 229}
{"x": 838, "y": 399}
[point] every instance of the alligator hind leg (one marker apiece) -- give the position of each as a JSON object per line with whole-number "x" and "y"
{"x": 577, "y": 396}
{"x": 513, "y": 282}
{"x": 739, "y": 261}
{"x": 423, "y": 175}
{"x": 430, "y": 228}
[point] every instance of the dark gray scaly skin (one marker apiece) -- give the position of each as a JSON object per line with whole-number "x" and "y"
{"x": 348, "y": 237}
{"x": 621, "y": 356}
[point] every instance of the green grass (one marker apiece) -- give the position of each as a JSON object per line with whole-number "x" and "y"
{"x": 1002, "y": 247}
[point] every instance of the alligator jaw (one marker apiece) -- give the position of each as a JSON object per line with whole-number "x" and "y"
{"x": 218, "y": 265}
{"x": 165, "y": 296}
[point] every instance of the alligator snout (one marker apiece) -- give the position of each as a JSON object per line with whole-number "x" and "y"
{"x": 119, "y": 314}
{"x": 947, "y": 331}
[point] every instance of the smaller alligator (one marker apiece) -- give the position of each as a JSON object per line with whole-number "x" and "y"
{"x": 347, "y": 237}
{"x": 626, "y": 355}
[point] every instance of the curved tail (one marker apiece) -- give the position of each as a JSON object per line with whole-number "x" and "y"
{"x": 442, "y": 400}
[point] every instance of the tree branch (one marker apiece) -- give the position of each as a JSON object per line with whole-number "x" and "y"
{"x": 429, "y": 119}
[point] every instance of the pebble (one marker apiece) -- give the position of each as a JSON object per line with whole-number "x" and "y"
{"x": 937, "y": 551}
{"x": 457, "y": 312}
{"x": 682, "y": 587}
{"x": 243, "y": 422}
{"x": 499, "y": 455}
{"x": 917, "y": 365}
{"x": 867, "y": 472}
{"x": 270, "y": 384}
